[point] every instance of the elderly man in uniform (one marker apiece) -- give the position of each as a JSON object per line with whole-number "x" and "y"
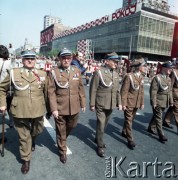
{"x": 66, "y": 96}
{"x": 160, "y": 98}
{"x": 173, "y": 111}
{"x": 104, "y": 97}
{"x": 28, "y": 104}
{"x": 132, "y": 96}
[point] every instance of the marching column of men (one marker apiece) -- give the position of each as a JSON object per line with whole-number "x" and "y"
{"x": 62, "y": 93}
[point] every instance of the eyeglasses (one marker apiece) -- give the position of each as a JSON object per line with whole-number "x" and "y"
{"x": 29, "y": 59}
{"x": 66, "y": 58}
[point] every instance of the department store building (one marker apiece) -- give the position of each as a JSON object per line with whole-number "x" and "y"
{"x": 136, "y": 29}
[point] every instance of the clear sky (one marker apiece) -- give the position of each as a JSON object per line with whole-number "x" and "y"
{"x": 22, "y": 19}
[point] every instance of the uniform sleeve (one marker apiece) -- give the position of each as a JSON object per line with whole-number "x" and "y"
{"x": 125, "y": 89}
{"x": 46, "y": 94}
{"x": 4, "y": 87}
{"x": 93, "y": 88}
{"x": 142, "y": 94}
{"x": 171, "y": 94}
{"x": 82, "y": 96}
{"x": 51, "y": 93}
{"x": 153, "y": 91}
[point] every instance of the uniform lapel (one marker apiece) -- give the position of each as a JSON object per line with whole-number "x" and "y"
{"x": 72, "y": 73}
{"x": 63, "y": 73}
{"x": 34, "y": 77}
{"x": 165, "y": 80}
{"x": 107, "y": 73}
{"x": 24, "y": 75}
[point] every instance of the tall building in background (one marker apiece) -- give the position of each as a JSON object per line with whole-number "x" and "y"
{"x": 49, "y": 20}
{"x": 27, "y": 45}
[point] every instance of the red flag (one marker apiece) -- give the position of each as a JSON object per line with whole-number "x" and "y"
{"x": 159, "y": 67}
{"x": 127, "y": 62}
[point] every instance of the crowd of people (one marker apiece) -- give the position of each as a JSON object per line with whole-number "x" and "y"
{"x": 60, "y": 93}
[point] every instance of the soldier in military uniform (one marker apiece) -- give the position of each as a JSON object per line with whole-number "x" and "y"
{"x": 173, "y": 111}
{"x": 132, "y": 96}
{"x": 104, "y": 97}
{"x": 66, "y": 97}
{"x": 160, "y": 98}
{"x": 28, "y": 104}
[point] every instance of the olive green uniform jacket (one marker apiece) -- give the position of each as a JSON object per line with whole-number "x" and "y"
{"x": 69, "y": 100}
{"x": 158, "y": 95}
{"x": 130, "y": 95}
{"x": 30, "y": 102}
{"x": 102, "y": 96}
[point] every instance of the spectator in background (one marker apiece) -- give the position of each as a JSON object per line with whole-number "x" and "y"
{"x": 89, "y": 73}
{"x": 151, "y": 73}
{"x": 78, "y": 61}
{"x": 11, "y": 51}
{"x": 124, "y": 70}
{"x": 5, "y": 66}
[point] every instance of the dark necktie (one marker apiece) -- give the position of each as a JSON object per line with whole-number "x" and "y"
{"x": 67, "y": 71}
{"x": 30, "y": 74}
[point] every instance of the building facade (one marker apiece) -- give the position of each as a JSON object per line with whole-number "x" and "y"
{"x": 135, "y": 29}
{"x": 47, "y": 34}
{"x": 49, "y": 20}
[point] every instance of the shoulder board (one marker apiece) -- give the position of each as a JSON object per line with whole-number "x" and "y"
{"x": 75, "y": 67}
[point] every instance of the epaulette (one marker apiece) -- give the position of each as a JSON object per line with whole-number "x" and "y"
{"x": 75, "y": 67}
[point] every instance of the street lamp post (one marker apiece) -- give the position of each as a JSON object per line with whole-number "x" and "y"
{"x": 130, "y": 46}
{"x": 93, "y": 49}
{"x": 130, "y": 49}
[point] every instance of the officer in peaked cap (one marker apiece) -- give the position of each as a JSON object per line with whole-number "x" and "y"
{"x": 28, "y": 104}
{"x": 66, "y": 97}
{"x": 160, "y": 98}
{"x": 132, "y": 96}
{"x": 173, "y": 111}
{"x": 104, "y": 97}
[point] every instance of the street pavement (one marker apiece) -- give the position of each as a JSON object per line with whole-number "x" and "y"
{"x": 149, "y": 160}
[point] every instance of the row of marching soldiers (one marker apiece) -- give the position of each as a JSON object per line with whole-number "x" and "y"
{"x": 62, "y": 94}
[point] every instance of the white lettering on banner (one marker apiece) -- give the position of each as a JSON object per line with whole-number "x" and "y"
{"x": 124, "y": 12}
{"x": 119, "y": 13}
{"x": 48, "y": 67}
{"x": 47, "y": 36}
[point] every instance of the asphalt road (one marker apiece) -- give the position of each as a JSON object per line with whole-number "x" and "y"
{"x": 150, "y": 159}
